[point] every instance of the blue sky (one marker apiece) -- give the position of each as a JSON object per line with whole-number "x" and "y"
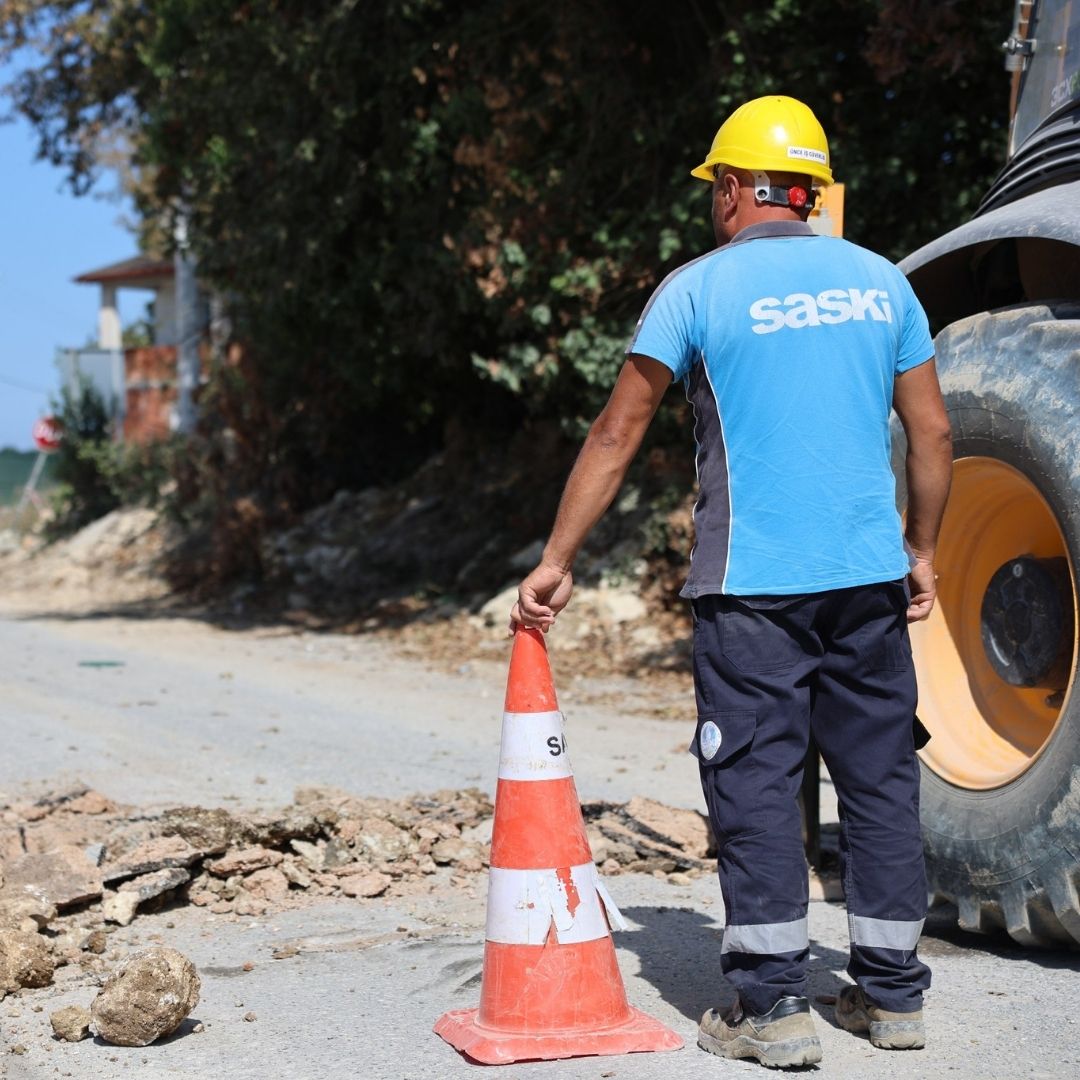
{"x": 48, "y": 236}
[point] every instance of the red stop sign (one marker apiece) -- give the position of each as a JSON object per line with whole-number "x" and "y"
{"x": 48, "y": 434}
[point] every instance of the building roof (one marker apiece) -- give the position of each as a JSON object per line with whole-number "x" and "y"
{"x": 142, "y": 271}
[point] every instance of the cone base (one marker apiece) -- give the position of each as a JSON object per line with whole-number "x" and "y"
{"x": 638, "y": 1034}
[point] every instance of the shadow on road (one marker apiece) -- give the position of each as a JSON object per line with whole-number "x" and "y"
{"x": 679, "y": 953}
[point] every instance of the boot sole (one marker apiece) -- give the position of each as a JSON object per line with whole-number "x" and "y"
{"x": 885, "y": 1034}
{"x": 897, "y": 1034}
{"x": 786, "y": 1054}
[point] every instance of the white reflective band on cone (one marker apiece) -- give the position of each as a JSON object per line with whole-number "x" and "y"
{"x": 523, "y": 904}
{"x": 533, "y": 747}
{"x": 766, "y": 938}
{"x": 902, "y": 935}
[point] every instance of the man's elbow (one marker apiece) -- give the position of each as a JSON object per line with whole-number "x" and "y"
{"x": 942, "y": 434}
{"x": 613, "y": 436}
{"x": 933, "y": 439}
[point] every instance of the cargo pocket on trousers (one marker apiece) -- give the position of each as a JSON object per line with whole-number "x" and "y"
{"x": 754, "y": 637}
{"x": 722, "y": 735}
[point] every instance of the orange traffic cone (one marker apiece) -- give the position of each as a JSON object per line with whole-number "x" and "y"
{"x": 551, "y": 985}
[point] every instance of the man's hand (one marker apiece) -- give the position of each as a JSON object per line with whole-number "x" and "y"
{"x": 541, "y": 596}
{"x": 923, "y": 584}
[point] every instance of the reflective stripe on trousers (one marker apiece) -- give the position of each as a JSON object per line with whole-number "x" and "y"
{"x": 765, "y": 938}
{"x": 898, "y": 934}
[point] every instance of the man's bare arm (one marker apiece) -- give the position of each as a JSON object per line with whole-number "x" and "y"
{"x": 918, "y": 402}
{"x": 598, "y": 473}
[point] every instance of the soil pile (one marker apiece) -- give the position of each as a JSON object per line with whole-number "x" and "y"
{"x": 435, "y": 560}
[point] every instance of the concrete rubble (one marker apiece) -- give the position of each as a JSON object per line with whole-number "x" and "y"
{"x": 109, "y": 862}
{"x": 71, "y": 1024}
{"x": 74, "y": 865}
{"x": 25, "y": 961}
{"x": 146, "y": 998}
{"x": 62, "y": 877}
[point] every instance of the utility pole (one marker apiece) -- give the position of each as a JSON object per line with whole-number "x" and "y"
{"x": 189, "y": 330}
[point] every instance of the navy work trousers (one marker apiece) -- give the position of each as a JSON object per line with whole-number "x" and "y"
{"x": 767, "y": 672}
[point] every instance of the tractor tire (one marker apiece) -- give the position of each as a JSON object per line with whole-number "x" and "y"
{"x": 1000, "y": 800}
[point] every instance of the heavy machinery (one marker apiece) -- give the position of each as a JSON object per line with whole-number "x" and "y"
{"x": 997, "y": 661}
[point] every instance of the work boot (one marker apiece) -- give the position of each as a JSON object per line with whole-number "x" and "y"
{"x": 887, "y": 1030}
{"x": 780, "y": 1038}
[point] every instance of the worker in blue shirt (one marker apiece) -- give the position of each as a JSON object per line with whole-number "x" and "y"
{"x": 792, "y": 348}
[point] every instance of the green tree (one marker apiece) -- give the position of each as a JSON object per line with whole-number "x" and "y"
{"x": 425, "y": 212}
{"x": 83, "y": 492}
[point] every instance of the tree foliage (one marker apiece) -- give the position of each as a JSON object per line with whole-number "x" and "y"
{"x": 423, "y": 210}
{"x": 92, "y": 472}
{"x": 83, "y": 492}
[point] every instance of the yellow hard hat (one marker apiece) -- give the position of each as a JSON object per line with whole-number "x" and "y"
{"x": 770, "y": 133}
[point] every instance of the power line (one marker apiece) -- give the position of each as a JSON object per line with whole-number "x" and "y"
{"x": 23, "y": 386}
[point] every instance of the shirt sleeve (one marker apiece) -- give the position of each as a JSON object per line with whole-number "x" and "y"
{"x": 916, "y": 344}
{"x": 665, "y": 331}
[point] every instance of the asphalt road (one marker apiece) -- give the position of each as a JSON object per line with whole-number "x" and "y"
{"x": 195, "y": 714}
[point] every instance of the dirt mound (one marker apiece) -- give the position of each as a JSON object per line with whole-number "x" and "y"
{"x": 114, "y": 562}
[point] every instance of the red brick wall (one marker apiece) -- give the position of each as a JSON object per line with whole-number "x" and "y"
{"x": 148, "y": 412}
{"x": 150, "y": 375}
{"x": 153, "y": 363}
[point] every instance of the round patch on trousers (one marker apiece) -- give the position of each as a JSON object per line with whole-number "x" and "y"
{"x": 709, "y": 739}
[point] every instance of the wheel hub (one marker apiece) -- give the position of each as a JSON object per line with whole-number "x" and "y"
{"x": 1026, "y": 627}
{"x": 993, "y": 673}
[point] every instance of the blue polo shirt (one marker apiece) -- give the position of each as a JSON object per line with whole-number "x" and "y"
{"x": 788, "y": 344}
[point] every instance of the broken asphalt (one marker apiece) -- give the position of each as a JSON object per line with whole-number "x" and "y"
{"x": 160, "y": 713}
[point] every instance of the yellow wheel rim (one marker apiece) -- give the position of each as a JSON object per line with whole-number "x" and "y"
{"x": 985, "y": 731}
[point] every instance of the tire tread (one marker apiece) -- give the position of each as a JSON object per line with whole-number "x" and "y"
{"x": 1006, "y": 858}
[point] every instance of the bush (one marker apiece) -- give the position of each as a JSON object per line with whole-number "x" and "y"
{"x": 93, "y": 473}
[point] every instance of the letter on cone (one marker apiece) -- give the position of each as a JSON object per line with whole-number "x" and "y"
{"x": 551, "y": 984}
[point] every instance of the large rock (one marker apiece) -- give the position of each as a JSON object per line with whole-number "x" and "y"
{"x": 146, "y": 997}
{"x": 62, "y": 877}
{"x": 25, "y": 960}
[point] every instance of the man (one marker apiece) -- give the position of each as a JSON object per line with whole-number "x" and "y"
{"x": 792, "y": 347}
